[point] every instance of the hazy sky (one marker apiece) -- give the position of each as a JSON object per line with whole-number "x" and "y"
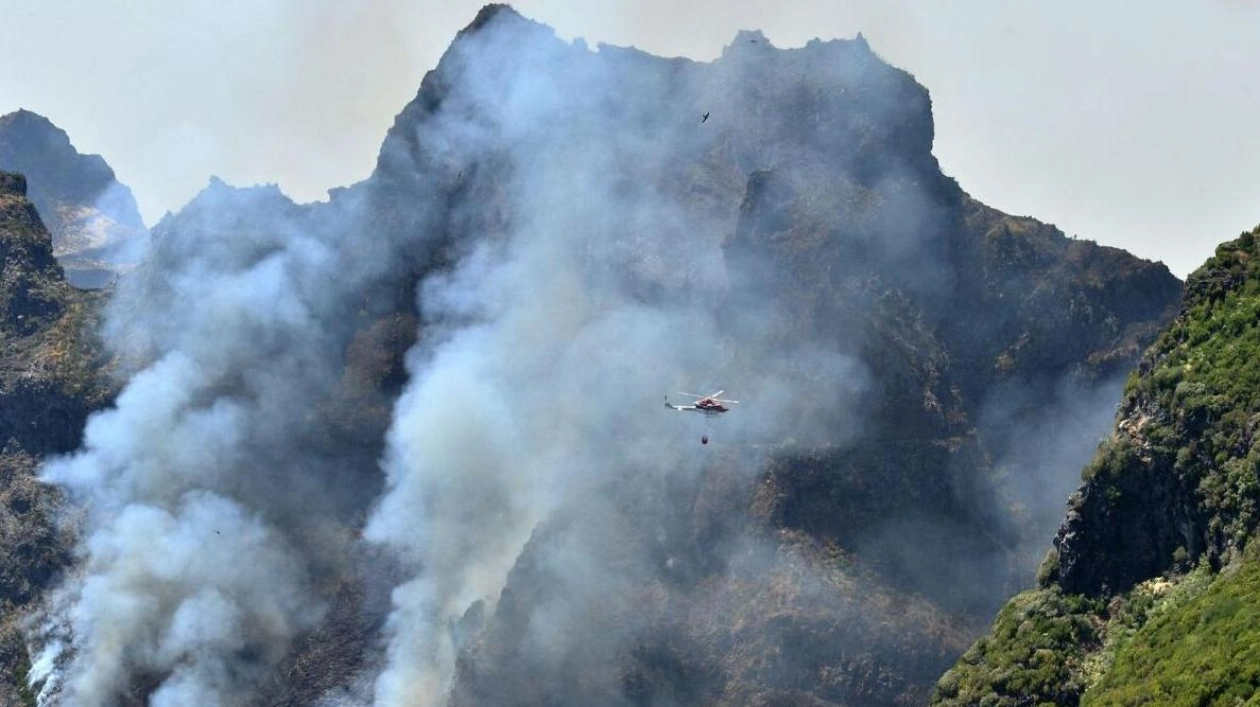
{"x": 1136, "y": 125}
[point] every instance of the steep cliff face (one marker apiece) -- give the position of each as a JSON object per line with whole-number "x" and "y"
{"x": 51, "y": 377}
{"x": 93, "y": 218}
{"x": 1180, "y": 471}
{"x": 978, "y": 347}
{"x": 1159, "y": 534}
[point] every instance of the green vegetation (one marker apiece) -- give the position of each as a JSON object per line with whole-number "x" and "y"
{"x": 1186, "y": 451}
{"x": 1207, "y": 363}
{"x": 1051, "y": 648}
{"x": 1113, "y": 457}
{"x": 1208, "y": 381}
{"x": 1033, "y": 655}
{"x": 1205, "y": 651}
{"x": 1128, "y": 613}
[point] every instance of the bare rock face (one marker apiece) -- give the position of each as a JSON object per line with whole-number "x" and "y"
{"x": 94, "y": 220}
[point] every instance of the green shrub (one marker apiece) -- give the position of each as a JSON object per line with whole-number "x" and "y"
{"x": 1032, "y": 655}
{"x": 1204, "y": 652}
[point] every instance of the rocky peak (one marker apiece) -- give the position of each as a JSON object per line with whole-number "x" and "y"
{"x": 91, "y": 215}
{"x": 32, "y": 289}
{"x": 500, "y": 11}
{"x": 44, "y": 367}
{"x": 32, "y": 144}
{"x": 768, "y": 107}
{"x": 808, "y": 174}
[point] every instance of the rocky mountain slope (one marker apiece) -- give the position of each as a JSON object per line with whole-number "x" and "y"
{"x": 51, "y": 376}
{"x": 93, "y": 217}
{"x": 1148, "y": 595}
{"x": 427, "y": 410}
{"x": 817, "y": 193}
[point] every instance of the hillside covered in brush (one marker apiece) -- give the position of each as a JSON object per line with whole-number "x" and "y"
{"x": 1149, "y": 594}
{"x": 407, "y": 446}
{"x": 51, "y": 376}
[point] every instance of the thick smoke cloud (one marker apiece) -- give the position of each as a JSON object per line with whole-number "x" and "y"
{"x": 544, "y": 349}
{"x": 210, "y": 506}
{"x": 566, "y": 230}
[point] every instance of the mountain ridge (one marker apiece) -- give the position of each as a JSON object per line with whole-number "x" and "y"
{"x": 880, "y": 163}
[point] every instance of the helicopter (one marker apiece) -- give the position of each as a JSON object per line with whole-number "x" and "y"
{"x": 707, "y": 405}
{"x": 710, "y": 405}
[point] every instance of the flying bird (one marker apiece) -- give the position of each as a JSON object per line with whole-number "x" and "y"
{"x": 704, "y": 117}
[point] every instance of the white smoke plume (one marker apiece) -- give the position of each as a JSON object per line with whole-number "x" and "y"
{"x": 588, "y": 279}
{"x": 205, "y": 496}
{"x": 544, "y": 352}
{"x": 568, "y": 215}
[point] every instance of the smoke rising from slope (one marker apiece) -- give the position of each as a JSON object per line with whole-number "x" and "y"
{"x": 575, "y": 241}
{"x": 545, "y": 349}
{"x": 1051, "y": 437}
{"x": 210, "y": 501}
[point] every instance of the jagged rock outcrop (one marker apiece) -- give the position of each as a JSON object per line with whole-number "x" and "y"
{"x": 1156, "y": 550}
{"x": 96, "y": 226}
